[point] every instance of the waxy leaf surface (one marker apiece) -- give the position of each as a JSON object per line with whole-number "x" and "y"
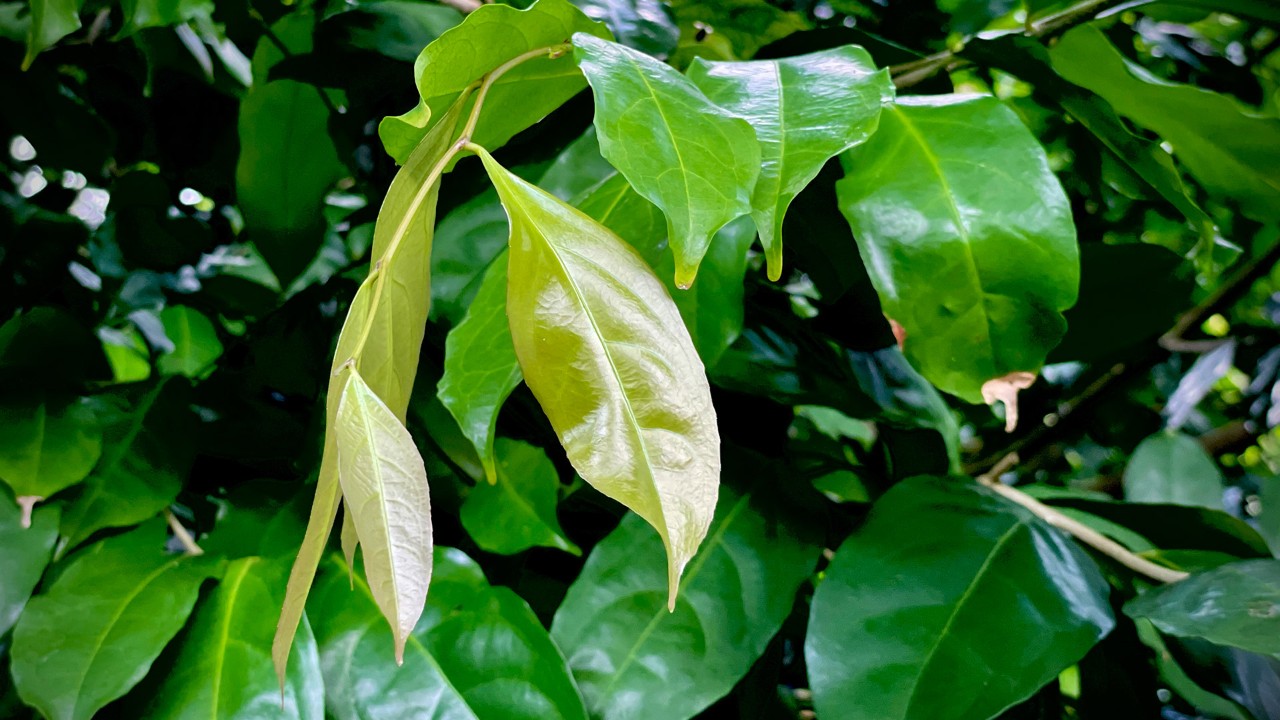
{"x": 805, "y": 110}
{"x": 967, "y": 236}
{"x": 604, "y": 350}
{"x": 518, "y": 511}
{"x": 45, "y": 447}
{"x": 693, "y": 159}
{"x": 1170, "y": 467}
{"x": 961, "y": 616}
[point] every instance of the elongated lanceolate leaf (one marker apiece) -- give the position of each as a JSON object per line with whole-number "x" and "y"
{"x": 487, "y": 38}
{"x": 384, "y": 484}
{"x": 604, "y": 350}
{"x": 967, "y": 236}
{"x": 389, "y": 358}
{"x": 805, "y": 110}
{"x": 693, "y": 159}
{"x": 949, "y": 603}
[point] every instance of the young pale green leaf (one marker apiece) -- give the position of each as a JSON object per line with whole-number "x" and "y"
{"x": 95, "y": 633}
{"x": 1170, "y": 467}
{"x": 1236, "y": 605}
{"x": 195, "y": 342}
{"x": 46, "y": 447}
{"x": 387, "y": 334}
{"x": 480, "y": 367}
{"x": 519, "y": 511}
{"x": 27, "y": 551}
{"x": 604, "y": 350}
{"x": 693, "y": 159}
{"x": 949, "y": 603}
{"x": 223, "y": 670}
{"x": 1233, "y": 151}
{"x": 51, "y": 20}
{"x": 967, "y": 236}
{"x": 632, "y": 658}
{"x": 384, "y": 486}
{"x": 487, "y": 38}
{"x": 805, "y": 110}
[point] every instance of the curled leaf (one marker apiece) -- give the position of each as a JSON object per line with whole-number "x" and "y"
{"x": 1005, "y": 390}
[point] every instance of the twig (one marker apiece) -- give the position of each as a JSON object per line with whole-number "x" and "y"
{"x": 462, "y": 6}
{"x": 1224, "y": 297}
{"x": 1075, "y": 528}
{"x": 180, "y": 532}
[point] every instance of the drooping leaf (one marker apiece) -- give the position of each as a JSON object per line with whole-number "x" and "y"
{"x": 384, "y": 486}
{"x": 26, "y": 553}
{"x": 51, "y": 20}
{"x": 287, "y": 160}
{"x": 395, "y": 327}
{"x": 1236, "y": 605}
{"x": 95, "y": 633}
{"x": 149, "y": 451}
{"x": 1232, "y": 151}
{"x": 480, "y": 367}
{"x": 604, "y": 350}
{"x": 805, "y": 110}
{"x": 634, "y": 659}
{"x": 467, "y": 241}
{"x": 487, "y": 38}
{"x": 689, "y": 157}
{"x": 518, "y": 511}
{"x": 47, "y": 446}
{"x": 949, "y": 603}
{"x": 967, "y": 236}
{"x": 195, "y": 342}
{"x": 642, "y": 24}
{"x": 1173, "y": 468}
{"x": 142, "y": 14}
{"x": 224, "y": 667}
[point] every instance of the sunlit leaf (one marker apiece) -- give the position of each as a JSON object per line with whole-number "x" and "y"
{"x": 518, "y": 511}
{"x": 604, "y": 350}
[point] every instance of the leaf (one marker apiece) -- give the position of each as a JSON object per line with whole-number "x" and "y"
{"x": 287, "y": 160}
{"x": 686, "y": 155}
{"x": 805, "y": 110}
{"x": 480, "y": 367}
{"x": 384, "y": 486}
{"x": 967, "y": 237}
{"x": 970, "y": 16}
{"x": 195, "y": 342}
{"x": 1229, "y": 149}
{"x": 633, "y": 659}
{"x": 148, "y": 454}
{"x": 1173, "y": 468}
{"x": 142, "y": 14}
{"x": 51, "y": 20}
{"x": 27, "y": 551}
{"x": 605, "y": 353}
{"x": 640, "y": 24}
{"x": 519, "y": 511}
{"x": 396, "y": 326}
{"x": 486, "y": 39}
{"x": 1197, "y": 382}
{"x": 949, "y": 603}
{"x": 394, "y": 28}
{"x": 223, "y": 669}
{"x": 1236, "y": 605}
{"x": 95, "y": 633}
{"x": 47, "y": 446}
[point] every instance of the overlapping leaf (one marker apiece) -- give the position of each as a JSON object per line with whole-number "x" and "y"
{"x": 1173, "y": 468}
{"x": 27, "y": 551}
{"x": 604, "y": 350}
{"x": 47, "y": 446}
{"x": 518, "y": 511}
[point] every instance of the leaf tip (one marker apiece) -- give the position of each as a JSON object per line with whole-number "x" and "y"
{"x": 773, "y": 260}
{"x": 399, "y": 649}
{"x": 685, "y": 275}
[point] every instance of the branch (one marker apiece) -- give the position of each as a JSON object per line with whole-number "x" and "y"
{"x": 1075, "y": 528}
{"x": 1221, "y": 299}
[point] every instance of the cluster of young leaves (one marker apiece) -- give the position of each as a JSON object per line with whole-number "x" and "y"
{"x": 589, "y": 305}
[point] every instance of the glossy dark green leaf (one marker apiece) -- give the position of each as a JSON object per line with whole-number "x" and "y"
{"x": 27, "y": 551}
{"x": 606, "y": 354}
{"x": 967, "y": 236}
{"x": 733, "y": 29}
{"x": 1230, "y": 149}
{"x": 47, "y": 446}
{"x": 805, "y": 110}
{"x": 634, "y": 659}
{"x": 224, "y": 667}
{"x": 195, "y": 342}
{"x": 480, "y": 367}
{"x": 489, "y": 37}
{"x": 519, "y": 510}
{"x": 51, "y": 20}
{"x": 95, "y": 633}
{"x": 1172, "y": 468}
{"x": 148, "y": 452}
{"x": 689, "y": 157}
{"x": 970, "y": 16}
{"x": 287, "y": 160}
{"x": 949, "y": 603}
{"x": 642, "y": 24}
{"x": 1236, "y": 605}
{"x": 396, "y": 28}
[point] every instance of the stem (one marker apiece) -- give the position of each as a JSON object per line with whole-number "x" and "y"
{"x": 551, "y": 53}
{"x": 180, "y": 532}
{"x": 1075, "y": 528}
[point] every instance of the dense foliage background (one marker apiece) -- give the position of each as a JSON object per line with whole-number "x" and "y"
{"x": 188, "y": 207}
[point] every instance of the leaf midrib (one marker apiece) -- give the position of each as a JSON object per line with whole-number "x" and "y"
{"x": 381, "y": 505}
{"x": 225, "y": 638}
